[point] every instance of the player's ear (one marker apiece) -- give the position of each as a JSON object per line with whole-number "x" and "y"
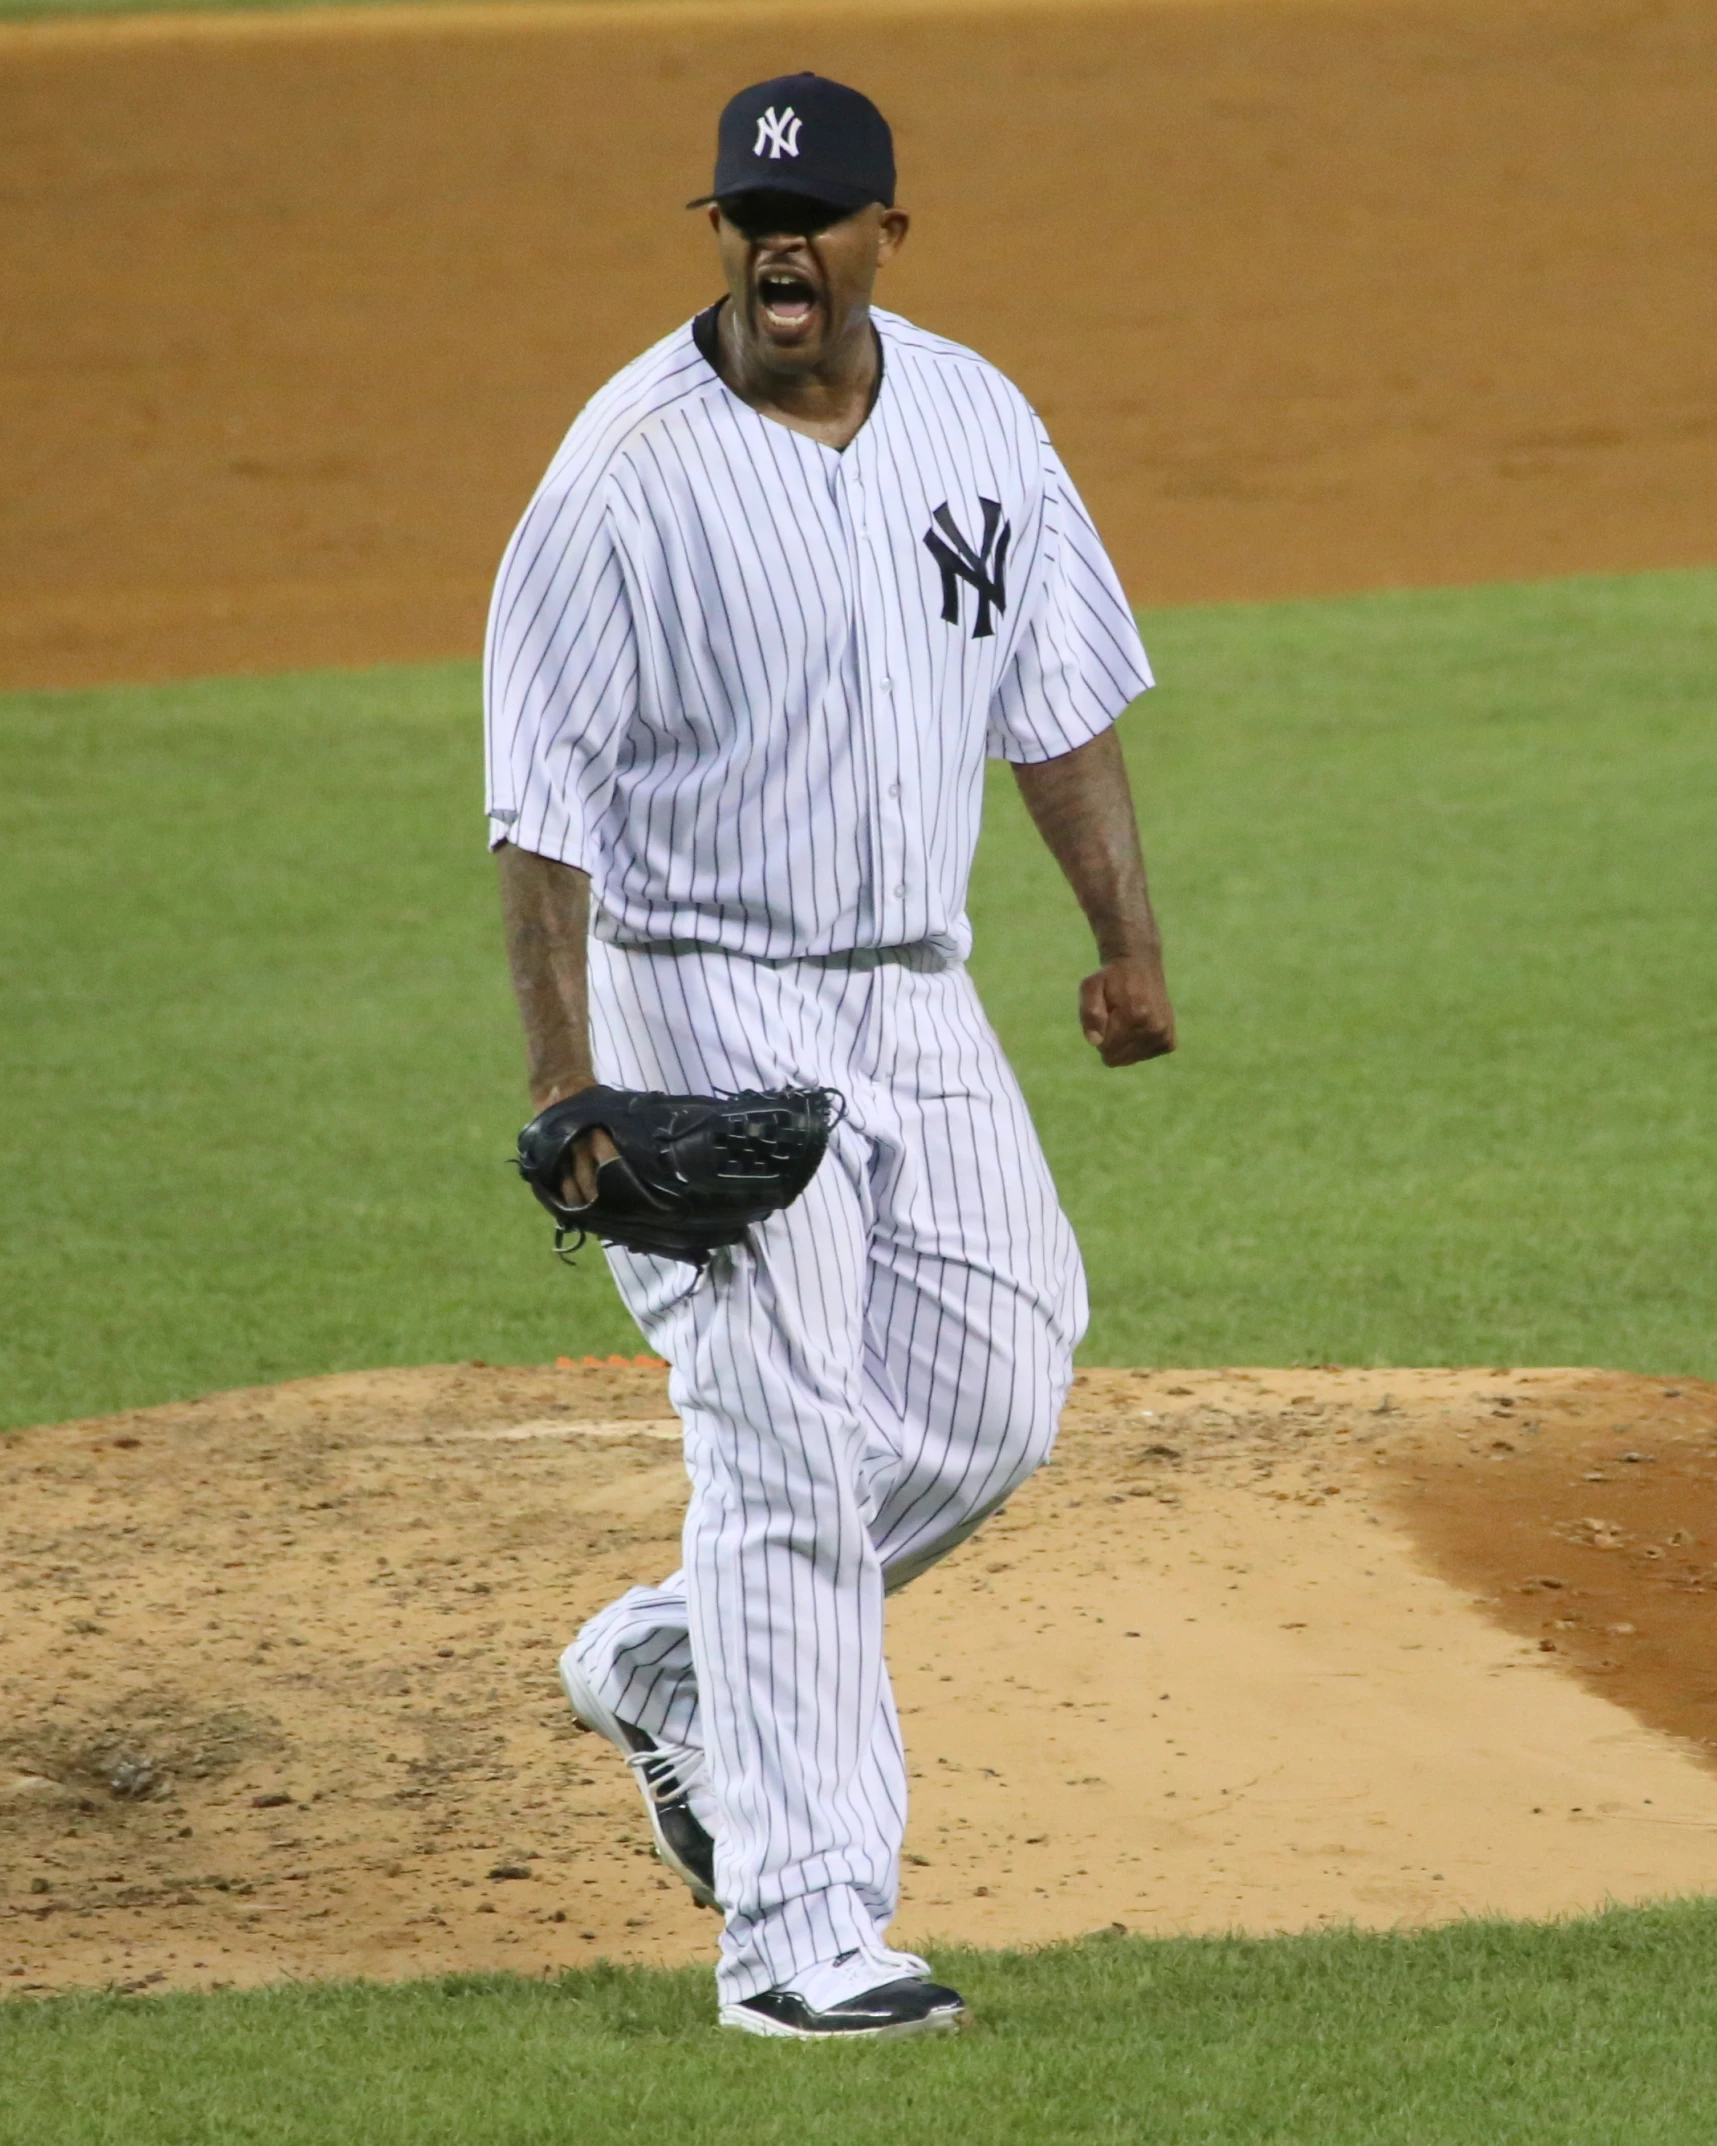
{"x": 891, "y": 231}
{"x": 715, "y": 217}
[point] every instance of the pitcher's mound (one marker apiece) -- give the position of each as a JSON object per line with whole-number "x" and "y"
{"x": 1258, "y": 1650}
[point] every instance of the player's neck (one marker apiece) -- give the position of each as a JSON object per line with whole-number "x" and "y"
{"x": 828, "y": 402}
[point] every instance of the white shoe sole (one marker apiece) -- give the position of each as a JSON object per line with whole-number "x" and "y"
{"x": 588, "y": 1708}
{"x": 736, "y": 2015}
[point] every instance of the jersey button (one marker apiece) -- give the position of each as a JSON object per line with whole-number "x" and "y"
{"x": 894, "y": 789}
{"x": 900, "y": 892}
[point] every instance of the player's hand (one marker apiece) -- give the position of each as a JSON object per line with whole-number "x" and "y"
{"x": 1125, "y": 1011}
{"x": 589, "y": 1152}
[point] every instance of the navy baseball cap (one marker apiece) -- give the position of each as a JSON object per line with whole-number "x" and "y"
{"x": 803, "y": 134}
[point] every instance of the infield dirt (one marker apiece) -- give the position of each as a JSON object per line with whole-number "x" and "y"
{"x": 1314, "y": 297}
{"x": 1258, "y": 1650}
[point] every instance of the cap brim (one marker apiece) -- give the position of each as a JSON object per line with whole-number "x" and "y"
{"x": 838, "y": 197}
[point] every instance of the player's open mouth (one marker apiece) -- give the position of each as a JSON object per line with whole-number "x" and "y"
{"x": 786, "y": 299}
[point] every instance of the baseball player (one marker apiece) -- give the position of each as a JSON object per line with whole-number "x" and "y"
{"x": 792, "y": 575}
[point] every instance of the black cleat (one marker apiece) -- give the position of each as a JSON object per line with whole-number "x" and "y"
{"x": 663, "y": 1772}
{"x": 912, "y": 2006}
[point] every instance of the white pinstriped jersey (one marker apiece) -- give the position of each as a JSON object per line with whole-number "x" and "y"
{"x": 748, "y": 682}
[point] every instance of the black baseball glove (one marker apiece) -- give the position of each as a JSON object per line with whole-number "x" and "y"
{"x": 693, "y": 1172}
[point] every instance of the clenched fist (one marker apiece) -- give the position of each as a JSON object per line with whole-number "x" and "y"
{"x": 1125, "y": 1011}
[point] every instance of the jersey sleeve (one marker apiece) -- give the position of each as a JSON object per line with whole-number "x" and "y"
{"x": 1078, "y": 660}
{"x": 560, "y": 675}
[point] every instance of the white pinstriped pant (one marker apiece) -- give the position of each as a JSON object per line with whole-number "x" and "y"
{"x": 860, "y": 1385}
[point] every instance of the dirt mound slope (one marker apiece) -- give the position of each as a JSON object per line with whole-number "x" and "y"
{"x": 1315, "y": 297}
{"x": 1258, "y": 1649}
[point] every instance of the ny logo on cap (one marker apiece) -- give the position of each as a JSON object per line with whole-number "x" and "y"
{"x": 984, "y": 568}
{"x": 779, "y": 136}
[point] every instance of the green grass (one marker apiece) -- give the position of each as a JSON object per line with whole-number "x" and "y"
{"x": 1436, "y": 872}
{"x": 1439, "y": 878}
{"x": 1596, "y": 2033}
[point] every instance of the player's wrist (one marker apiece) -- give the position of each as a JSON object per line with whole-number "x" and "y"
{"x": 1141, "y": 945}
{"x": 555, "y": 1088}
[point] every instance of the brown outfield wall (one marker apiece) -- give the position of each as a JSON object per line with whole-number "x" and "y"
{"x": 1315, "y": 297}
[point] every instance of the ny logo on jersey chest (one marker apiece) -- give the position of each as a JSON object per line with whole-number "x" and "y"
{"x": 983, "y": 567}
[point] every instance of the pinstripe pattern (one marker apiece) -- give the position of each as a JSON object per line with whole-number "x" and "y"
{"x": 748, "y": 684}
{"x": 719, "y": 678}
{"x": 881, "y": 1367}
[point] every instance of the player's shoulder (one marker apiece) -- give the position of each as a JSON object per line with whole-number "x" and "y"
{"x": 640, "y": 398}
{"x": 934, "y": 363}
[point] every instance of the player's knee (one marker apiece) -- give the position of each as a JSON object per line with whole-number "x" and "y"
{"x": 1027, "y": 1437}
